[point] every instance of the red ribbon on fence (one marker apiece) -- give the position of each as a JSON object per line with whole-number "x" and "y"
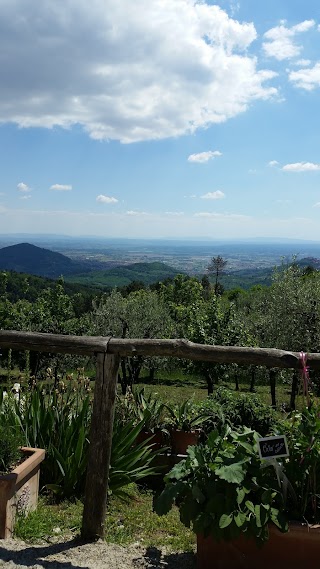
{"x": 305, "y": 375}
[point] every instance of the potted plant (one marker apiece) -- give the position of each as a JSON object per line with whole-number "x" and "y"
{"x": 19, "y": 479}
{"x": 239, "y": 506}
{"x": 183, "y": 422}
{"x": 151, "y": 411}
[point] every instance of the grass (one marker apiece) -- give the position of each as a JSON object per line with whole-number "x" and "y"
{"x": 174, "y": 394}
{"x": 126, "y": 523}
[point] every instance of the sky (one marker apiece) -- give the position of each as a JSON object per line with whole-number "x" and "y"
{"x": 160, "y": 118}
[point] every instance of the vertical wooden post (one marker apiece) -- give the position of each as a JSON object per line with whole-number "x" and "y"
{"x": 95, "y": 500}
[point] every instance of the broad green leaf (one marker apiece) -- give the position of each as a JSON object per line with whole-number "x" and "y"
{"x": 250, "y": 506}
{"x": 257, "y": 511}
{"x": 241, "y": 493}
{"x": 233, "y": 473}
{"x": 225, "y": 520}
{"x": 240, "y": 519}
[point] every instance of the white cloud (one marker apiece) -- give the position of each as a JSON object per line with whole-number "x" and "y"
{"x": 106, "y": 199}
{"x": 135, "y": 213}
{"x": 218, "y": 195}
{"x": 204, "y": 156}
{"x": 61, "y": 187}
{"x": 280, "y": 41}
{"x": 301, "y": 167}
{"x": 22, "y": 187}
{"x": 174, "y": 213}
{"x": 307, "y": 79}
{"x": 25, "y": 197}
{"x": 302, "y": 62}
{"x": 215, "y": 215}
{"x": 147, "y": 70}
{"x": 273, "y": 163}
{"x": 316, "y": 204}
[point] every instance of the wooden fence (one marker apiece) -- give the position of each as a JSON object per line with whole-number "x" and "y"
{"x": 108, "y": 352}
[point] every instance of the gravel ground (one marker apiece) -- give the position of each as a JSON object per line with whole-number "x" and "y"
{"x": 72, "y": 554}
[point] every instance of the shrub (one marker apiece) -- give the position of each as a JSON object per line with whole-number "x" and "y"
{"x": 238, "y": 410}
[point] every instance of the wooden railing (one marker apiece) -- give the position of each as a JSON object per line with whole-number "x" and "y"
{"x": 108, "y": 352}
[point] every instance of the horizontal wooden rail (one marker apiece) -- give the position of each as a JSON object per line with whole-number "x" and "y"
{"x": 89, "y": 345}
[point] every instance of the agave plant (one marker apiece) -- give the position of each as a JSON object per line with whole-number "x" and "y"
{"x": 186, "y": 416}
{"x": 150, "y": 409}
{"x": 130, "y": 462}
{"x": 59, "y": 421}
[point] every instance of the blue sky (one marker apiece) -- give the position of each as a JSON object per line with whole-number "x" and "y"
{"x": 160, "y": 118}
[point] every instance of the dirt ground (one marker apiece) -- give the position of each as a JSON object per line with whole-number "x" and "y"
{"x": 72, "y": 554}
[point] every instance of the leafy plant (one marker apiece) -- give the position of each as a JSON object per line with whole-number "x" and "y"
{"x": 130, "y": 462}
{"x": 238, "y": 410}
{"x": 149, "y": 409}
{"x": 302, "y": 469}
{"x": 58, "y": 419}
{"x": 186, "y": 416}
{"x": 222, "y": 489}
{"x": 10, "y": 453}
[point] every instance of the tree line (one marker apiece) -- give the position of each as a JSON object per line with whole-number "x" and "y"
{"x": 284, "y": 315}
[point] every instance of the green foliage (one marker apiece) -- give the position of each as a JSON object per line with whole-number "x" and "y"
{"x": 143, "y": 314}
{"x": 287, "y": 314}
{"x": 186, "y": 416}
{"x": 57, "y": 418}
{"x": 122, "y": 276}
{"x": 239, "y": 409}
{"x": 222, "y": 489}
{"x": 149, "y": 409}
{"x": 129, "y": 462}
{"x": 302, "y": 469}
{"x": 10, "y": 453}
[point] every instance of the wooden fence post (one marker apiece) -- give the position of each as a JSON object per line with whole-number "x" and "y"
{"x": 95, "y": 500}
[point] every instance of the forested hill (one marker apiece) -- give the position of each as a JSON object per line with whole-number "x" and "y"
{"x": 27, "y": 258}
{"x": 146, "y": 273}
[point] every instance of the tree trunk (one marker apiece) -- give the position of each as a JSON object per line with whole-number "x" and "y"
{"x": 124, "y": 379}
{"x": 294, "y": 390}
{"x": 253, "y": 379}
{"x": 210, "y": 383}
{"x": 152, "y": 374}
{"x": 272, "y": 379}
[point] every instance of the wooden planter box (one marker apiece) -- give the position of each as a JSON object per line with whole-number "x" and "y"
{"x": 298, "y": 548}
{"x": 19, "y": 490}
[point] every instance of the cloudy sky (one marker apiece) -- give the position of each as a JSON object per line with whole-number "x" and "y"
{"x": 160, "y": 118}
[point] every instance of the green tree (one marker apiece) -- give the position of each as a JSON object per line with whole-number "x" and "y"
{"x": 142, "y": 314}
{"x": 216, "y": 268}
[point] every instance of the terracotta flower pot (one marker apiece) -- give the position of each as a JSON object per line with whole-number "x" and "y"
{"x": 181, "y": 440}
{"x": 156, "y": 439}
{"x": 298, "y": 548}
{"x": 19, "y": 490}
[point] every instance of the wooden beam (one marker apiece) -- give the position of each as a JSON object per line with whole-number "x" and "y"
{"x": 177, "y": 348}
{"x": 95, "y": 502}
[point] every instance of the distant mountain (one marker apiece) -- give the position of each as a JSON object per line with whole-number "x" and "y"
{"x": 26, "y": 258}
{"x": 148, "y": 273}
